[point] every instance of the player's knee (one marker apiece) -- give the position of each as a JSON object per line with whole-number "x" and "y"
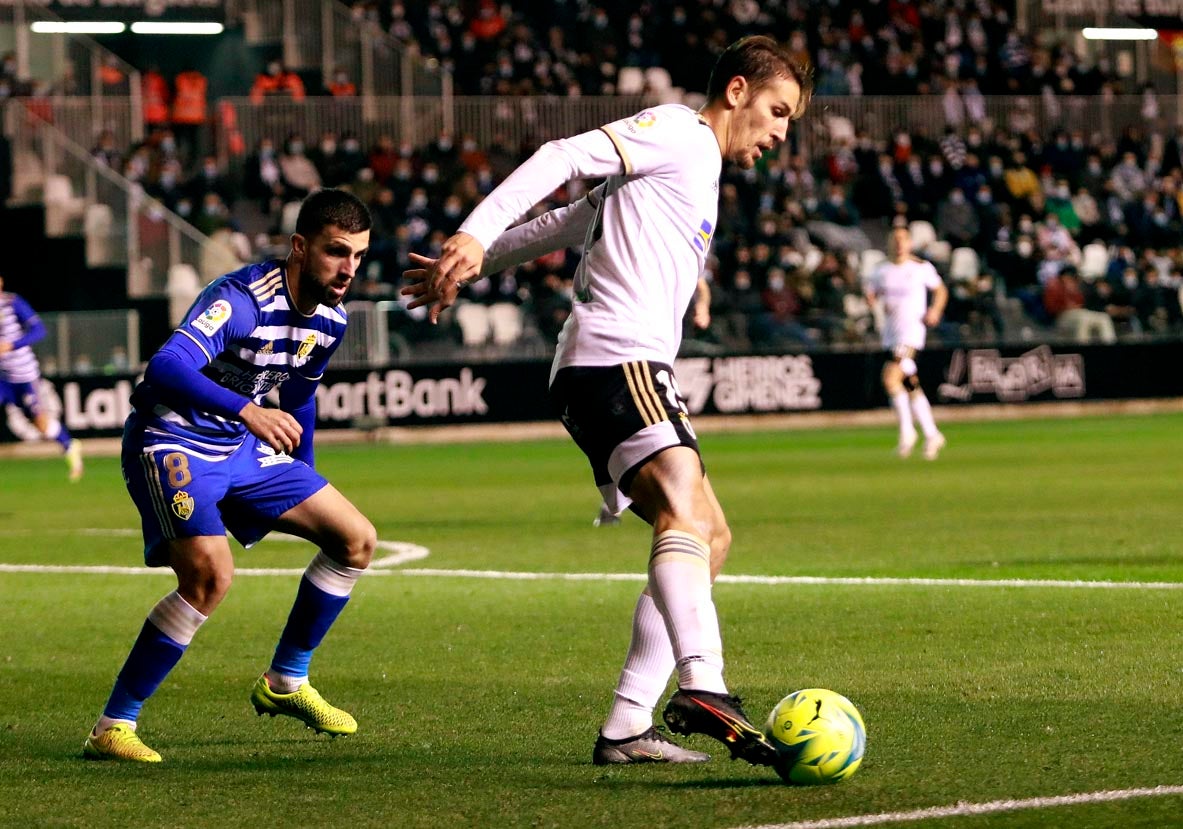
{"x": 911, "y": 383}
{"x": 720, "y": 546}
{"x": 205, "y": 584}
{"x": 359, "y": 545}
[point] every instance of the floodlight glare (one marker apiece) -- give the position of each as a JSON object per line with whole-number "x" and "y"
{"x": 1119, "y": 34}
{"x": 145, "y": 27}
{"x": 57, "y": 27}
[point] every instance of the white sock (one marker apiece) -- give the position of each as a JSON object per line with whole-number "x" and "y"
{"x": 646, "y": 672}
{"x": 899, "y": 402}
{"x": 923, "y": 412}
{"x": 53, "y": 429}
{"x": 284, "y": 684}
{"x": 106, "y": 722}
{"x": 680, "y": 578}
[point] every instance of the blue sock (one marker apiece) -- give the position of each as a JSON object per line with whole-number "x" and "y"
{"x": 312, "y": 615}
{"x": 152, "y": 656}
{"x": 63, "y": 437}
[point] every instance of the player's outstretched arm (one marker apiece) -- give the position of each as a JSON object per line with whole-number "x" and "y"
{"x": 440, "y": 280}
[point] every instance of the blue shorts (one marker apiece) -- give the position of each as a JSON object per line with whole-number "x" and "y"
{"x": 24, "y": 395}
{"x": 182, "y": 491}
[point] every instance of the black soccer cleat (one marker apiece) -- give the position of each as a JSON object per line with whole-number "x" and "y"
{"x": 720, "y": 716}
{"x": 651, "y": 746}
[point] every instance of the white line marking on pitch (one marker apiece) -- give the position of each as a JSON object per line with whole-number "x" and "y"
{"x": 961, "y": 809}
{"x": 402, "y": 552}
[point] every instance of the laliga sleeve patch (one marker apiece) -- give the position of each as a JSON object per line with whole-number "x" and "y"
{"x": 213, "y": 318}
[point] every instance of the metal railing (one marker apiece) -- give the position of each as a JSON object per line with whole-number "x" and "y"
{"x": 327, "y": 35}
{"x": 81, "y": 342}
{"x": 530, "y": 120}
{"x": 53, "y": 66}
{"x": 164, "y": 254}
{"x": 513, "y": 121}
{"x": 1096, "y": 116}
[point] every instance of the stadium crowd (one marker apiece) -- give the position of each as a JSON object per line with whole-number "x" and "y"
{"x": 1068, "y": 232}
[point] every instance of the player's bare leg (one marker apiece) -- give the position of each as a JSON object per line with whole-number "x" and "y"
{"x": 690, "y": 542}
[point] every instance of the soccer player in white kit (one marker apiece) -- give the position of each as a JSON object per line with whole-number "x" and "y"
{"x": 901, "y": 287}
{"x": 645, "y": 234}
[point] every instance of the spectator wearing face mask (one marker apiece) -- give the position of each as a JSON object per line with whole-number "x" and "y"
{"x": 330, "y": 161}
{"x": 209, "y": 179}
{"x": 1064, "y": 302}
{"x": 1059, "y": 204}
{"x": 299, "y": 173}
{"x": 262, "y": 178}
{"x": 1021, "y": 183}
{"x": 957, "y": 220}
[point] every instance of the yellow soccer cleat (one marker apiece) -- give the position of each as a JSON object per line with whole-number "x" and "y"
{"x": 119, "y": 742}
{"x": 306, "y": 705}
{"x": 74, "y": 461}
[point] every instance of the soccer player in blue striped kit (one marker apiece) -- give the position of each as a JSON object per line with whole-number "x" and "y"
{"x": 201, "y": 456}
{"x": 20, "y": 374}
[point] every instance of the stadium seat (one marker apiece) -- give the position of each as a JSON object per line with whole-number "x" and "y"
{"x": 1094, "y": 261}
{"x": 657, "y": 78}
{"x": 96, "y": 227}
{"x": 630, "y": 81}
{"x": 938, "y": 252}
{"x": 813, "y": 258}
{"x": 964, "y": 265}
{"x": 840, "y": 128}
{"x": 473, "y": 319}
{"x": 183, "y": 288}
{"x": 28, "y": 176}
{"x": 505, "y": 319}
{"x": 287, "y": 221}
{"x": 869, "y": 259}
{"x": 63, "y": 210}
{"x": 923, "y": 234}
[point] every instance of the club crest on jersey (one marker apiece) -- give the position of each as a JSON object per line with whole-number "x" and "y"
{"x": 213, "y": 317}
{"x": 183, "y": 505}
{"x": 305, "y": 348}
{"x": 702, "y": 237}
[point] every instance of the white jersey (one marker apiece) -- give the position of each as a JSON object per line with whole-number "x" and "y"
{"x": 903, "y": 289}
{"x": 645, "y": 231}
{"x": 648, "y": 243}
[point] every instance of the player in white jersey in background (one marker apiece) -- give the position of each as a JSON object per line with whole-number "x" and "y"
{"x": 20, "y": 374}
{"x": 645, "y": 234}
{"x": 900, "y": 287}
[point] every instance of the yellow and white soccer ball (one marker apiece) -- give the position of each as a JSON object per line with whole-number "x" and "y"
{"x": 819, "y": 735}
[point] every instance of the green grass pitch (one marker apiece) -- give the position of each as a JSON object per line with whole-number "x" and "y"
{"x": 479, "y": 698}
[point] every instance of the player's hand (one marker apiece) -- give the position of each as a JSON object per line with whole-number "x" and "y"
{"x": 440, "y": 280}
{"x": 275, "y": 427}
{"x": 702, "y": 315}
{"x": 5, "y": 346}
{"x": 932, "y": 317}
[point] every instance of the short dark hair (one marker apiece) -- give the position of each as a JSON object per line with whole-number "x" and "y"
{"x": 332, "y": 207}
{"x": 759, "y": 59}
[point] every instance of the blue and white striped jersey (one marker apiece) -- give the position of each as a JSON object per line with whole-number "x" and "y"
{"x": 20, "y": 326}
{"x": 254, "y": 337}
